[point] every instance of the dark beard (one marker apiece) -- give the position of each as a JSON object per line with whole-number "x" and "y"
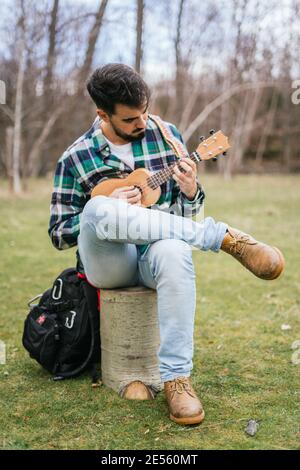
{"x": 128, "y": 137}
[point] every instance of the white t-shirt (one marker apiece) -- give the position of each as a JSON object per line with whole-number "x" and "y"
{"x": 123, "y": 152}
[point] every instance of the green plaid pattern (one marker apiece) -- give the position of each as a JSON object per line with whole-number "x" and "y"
{"x": 88, "y": 161}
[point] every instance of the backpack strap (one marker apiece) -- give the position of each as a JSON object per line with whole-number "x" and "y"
{"x": 174, "y": 143}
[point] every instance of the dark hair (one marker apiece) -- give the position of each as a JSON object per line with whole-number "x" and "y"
{"x": 117, "y": 84}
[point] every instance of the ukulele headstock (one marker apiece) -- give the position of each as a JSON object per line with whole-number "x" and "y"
{"x": 217, "y": 144}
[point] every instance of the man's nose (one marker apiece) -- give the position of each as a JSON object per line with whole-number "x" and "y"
{"x": 142, "y": 122}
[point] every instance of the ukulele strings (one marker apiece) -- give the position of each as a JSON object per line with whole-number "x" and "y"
{"x": 145, "y": 186}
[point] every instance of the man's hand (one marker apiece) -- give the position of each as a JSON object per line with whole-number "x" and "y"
{"x": 130, "y": 193}
{"x": 187, "y": 180}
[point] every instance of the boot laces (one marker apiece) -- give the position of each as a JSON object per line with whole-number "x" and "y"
{"x": 181, "y": 385}
{"x": 239, "y": 243}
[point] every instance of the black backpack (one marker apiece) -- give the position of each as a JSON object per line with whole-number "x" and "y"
{"x": 62, "y": 331}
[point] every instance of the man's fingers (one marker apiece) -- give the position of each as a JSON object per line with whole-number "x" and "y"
{"x": 190, "y": 163}
{"x": 135, "y": 199}
{"x": 126, "y": 188}
{"x": 187, "y": 168}
{"x": 132, "y": 191}
{"x": 126, "y": 192}
{"x": 181, "y": 176}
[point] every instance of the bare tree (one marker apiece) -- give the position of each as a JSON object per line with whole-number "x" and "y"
{"x": 51, "y": 56}
{"x": 266, "y": 131}
{"x": 92, "y": 39}
{"x": 139, "y": 34}
{"x": 19, "y": 105}
{"x": 180, "y": 69}
{"x": 224, "y": 68}
{"x": 54, "y": 109}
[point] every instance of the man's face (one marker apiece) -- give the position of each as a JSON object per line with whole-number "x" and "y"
{"x": 128, "y": 123}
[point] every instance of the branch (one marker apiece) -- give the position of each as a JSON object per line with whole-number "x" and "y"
{"x": 219, "y": 101}
{"x": 9, "y": 112}
{"x": 74, "y": 20}
{"x": 36, "y": 149}
{"x": 92, "y": 39}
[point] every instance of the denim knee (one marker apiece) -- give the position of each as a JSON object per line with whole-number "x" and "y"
{"x": 90, "y": 209}
{"x": 172, "y": 259}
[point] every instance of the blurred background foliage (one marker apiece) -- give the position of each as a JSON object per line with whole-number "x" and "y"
{"x": 215, "y": 64}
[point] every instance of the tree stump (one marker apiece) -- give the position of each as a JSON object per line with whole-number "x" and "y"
{"x": 129, "y": 337}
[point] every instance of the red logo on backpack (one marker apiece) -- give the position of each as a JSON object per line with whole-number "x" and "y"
{"x": 40, "y": 320}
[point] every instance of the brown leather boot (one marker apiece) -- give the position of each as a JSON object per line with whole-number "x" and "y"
{"x": 266, "y": 262}
{"x": 184, "y": 405}
{"x": 137, "y": 390}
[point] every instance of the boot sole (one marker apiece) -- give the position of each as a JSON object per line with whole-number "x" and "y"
{"x": 188, "y": 419}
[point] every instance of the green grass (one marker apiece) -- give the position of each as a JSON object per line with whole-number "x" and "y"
{"x": 242, "y": 363}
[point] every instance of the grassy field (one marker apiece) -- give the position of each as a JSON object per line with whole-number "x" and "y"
{"x": 243, "y": 365}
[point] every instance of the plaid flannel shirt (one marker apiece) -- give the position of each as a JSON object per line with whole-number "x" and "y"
{"x": 88, "y": 161}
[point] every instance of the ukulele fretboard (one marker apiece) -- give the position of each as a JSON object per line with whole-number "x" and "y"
{"x": 160, "y": 177}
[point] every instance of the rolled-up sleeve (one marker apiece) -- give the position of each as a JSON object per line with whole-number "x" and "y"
{"x": 181, "y": 205}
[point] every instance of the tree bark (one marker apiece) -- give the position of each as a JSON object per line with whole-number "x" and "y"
{"x": 8, "y": 155}
{"x": 34, "y": 167}
{"x": 129, "y": 337}
{"x": 92, "y": 39}
{"x": 139, "y": 35}
{"x": 51, "y": 56}
{"x": 18, "y": 109}
{"x": 266, "y": 131}
{"x": 179, "y": 77}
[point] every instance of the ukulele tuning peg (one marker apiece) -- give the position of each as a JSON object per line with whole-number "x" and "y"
{"x": 214, "y": 159}
{"x": 212, "y": 131}
{"x": 224, "y": 154}
{"x": 202, "y": 138}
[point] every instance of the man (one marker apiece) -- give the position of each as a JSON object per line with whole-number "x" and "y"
{"x": 125, "y": 137}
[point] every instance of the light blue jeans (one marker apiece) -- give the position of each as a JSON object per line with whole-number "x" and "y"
{"x": 111, "y": 228}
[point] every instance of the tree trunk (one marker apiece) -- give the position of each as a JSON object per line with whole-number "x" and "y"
{"x": 34, "y": 167}
{"x": 266, "y": 132}
{"x": 93, "y": 36}
{"x": 49, "y": 97}
{"x": 179, "y": 78}
{"x": 287, "y": 150}
{"x": 8, "y": 155}
{"x": 18, "y": 120}
{"x": 139, "y": 35}
{"x": 129, "y": 337}
{"x": 51, "y": 57}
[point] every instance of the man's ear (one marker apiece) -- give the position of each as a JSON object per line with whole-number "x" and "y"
{"x": 103, "y": 115}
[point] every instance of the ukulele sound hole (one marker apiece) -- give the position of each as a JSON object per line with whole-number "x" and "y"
{"x": 138, "y": 187}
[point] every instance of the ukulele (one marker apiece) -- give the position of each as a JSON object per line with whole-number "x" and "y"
{"x": 149, "y": 183}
